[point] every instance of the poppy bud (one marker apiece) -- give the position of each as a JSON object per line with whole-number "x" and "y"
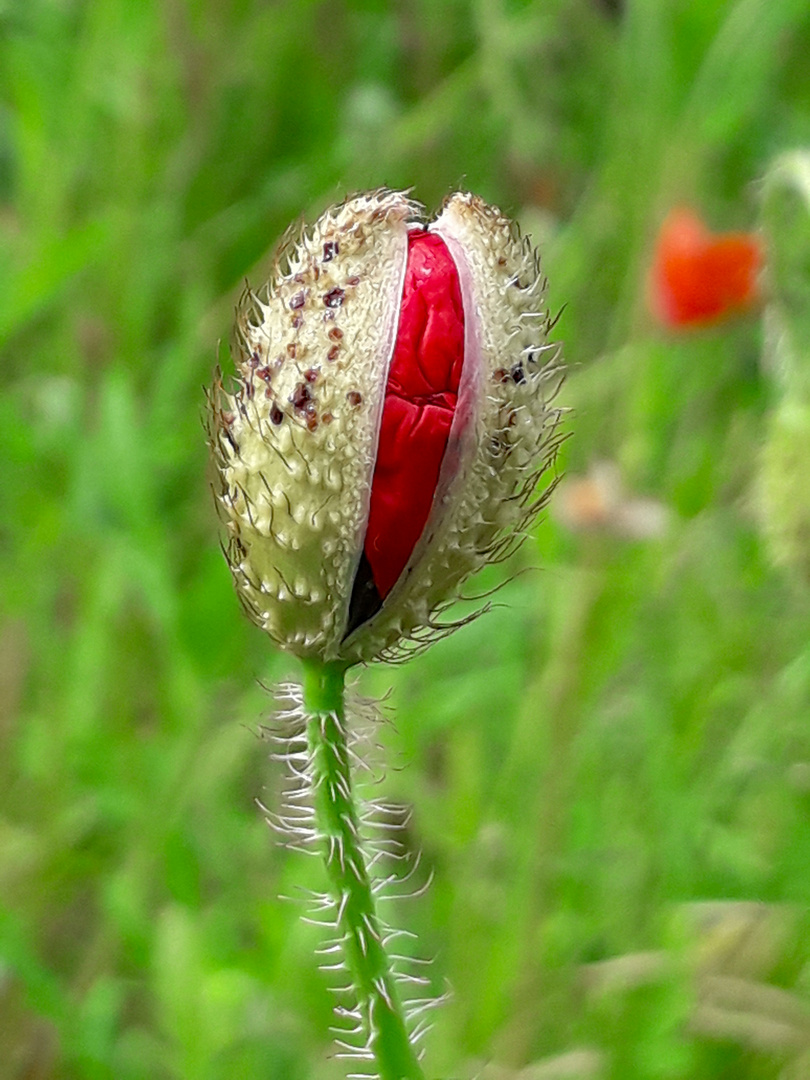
{"x": 388, "y": 423}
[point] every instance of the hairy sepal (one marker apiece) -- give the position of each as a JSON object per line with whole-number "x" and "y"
{"x": 296, "y": 437}
{"x": 504, "y": 434}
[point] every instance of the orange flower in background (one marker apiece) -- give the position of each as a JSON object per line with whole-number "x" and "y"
{"x": 699, "y": 277}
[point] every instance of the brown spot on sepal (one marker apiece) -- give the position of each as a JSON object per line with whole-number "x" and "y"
{"x": 335, "y": 297}
{"x": 301, "y": 396}
{"x": 311, "y": 415}
{"x": 517, "y": 375}
{"x": 354, "y": 398}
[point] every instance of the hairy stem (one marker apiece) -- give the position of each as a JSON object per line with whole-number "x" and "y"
{"x": 358, "y": 924}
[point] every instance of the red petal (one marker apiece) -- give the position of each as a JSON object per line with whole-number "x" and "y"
{"x": 420, "y": 398}
{"x": 697, "y": 277}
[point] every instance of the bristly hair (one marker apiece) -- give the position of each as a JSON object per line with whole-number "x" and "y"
{"x": 394, "y": 867}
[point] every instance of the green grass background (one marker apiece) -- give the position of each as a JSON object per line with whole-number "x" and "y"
{"x": 607, "y": 770}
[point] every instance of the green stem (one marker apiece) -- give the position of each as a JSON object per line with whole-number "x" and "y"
{"x": 337, "y": 821}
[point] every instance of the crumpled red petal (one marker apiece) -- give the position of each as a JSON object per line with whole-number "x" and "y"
{"x": 420, "y": 398}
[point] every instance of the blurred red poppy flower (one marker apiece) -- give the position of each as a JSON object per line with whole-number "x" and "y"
{"x": 699, "y": 277}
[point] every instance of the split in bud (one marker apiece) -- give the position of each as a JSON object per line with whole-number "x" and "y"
{"x": 389, "y": 421}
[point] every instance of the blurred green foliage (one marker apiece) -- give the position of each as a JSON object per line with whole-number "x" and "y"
{"x": 607, "y": 770}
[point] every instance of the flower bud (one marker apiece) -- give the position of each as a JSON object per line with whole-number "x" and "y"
{"x": 388, "y": 423}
